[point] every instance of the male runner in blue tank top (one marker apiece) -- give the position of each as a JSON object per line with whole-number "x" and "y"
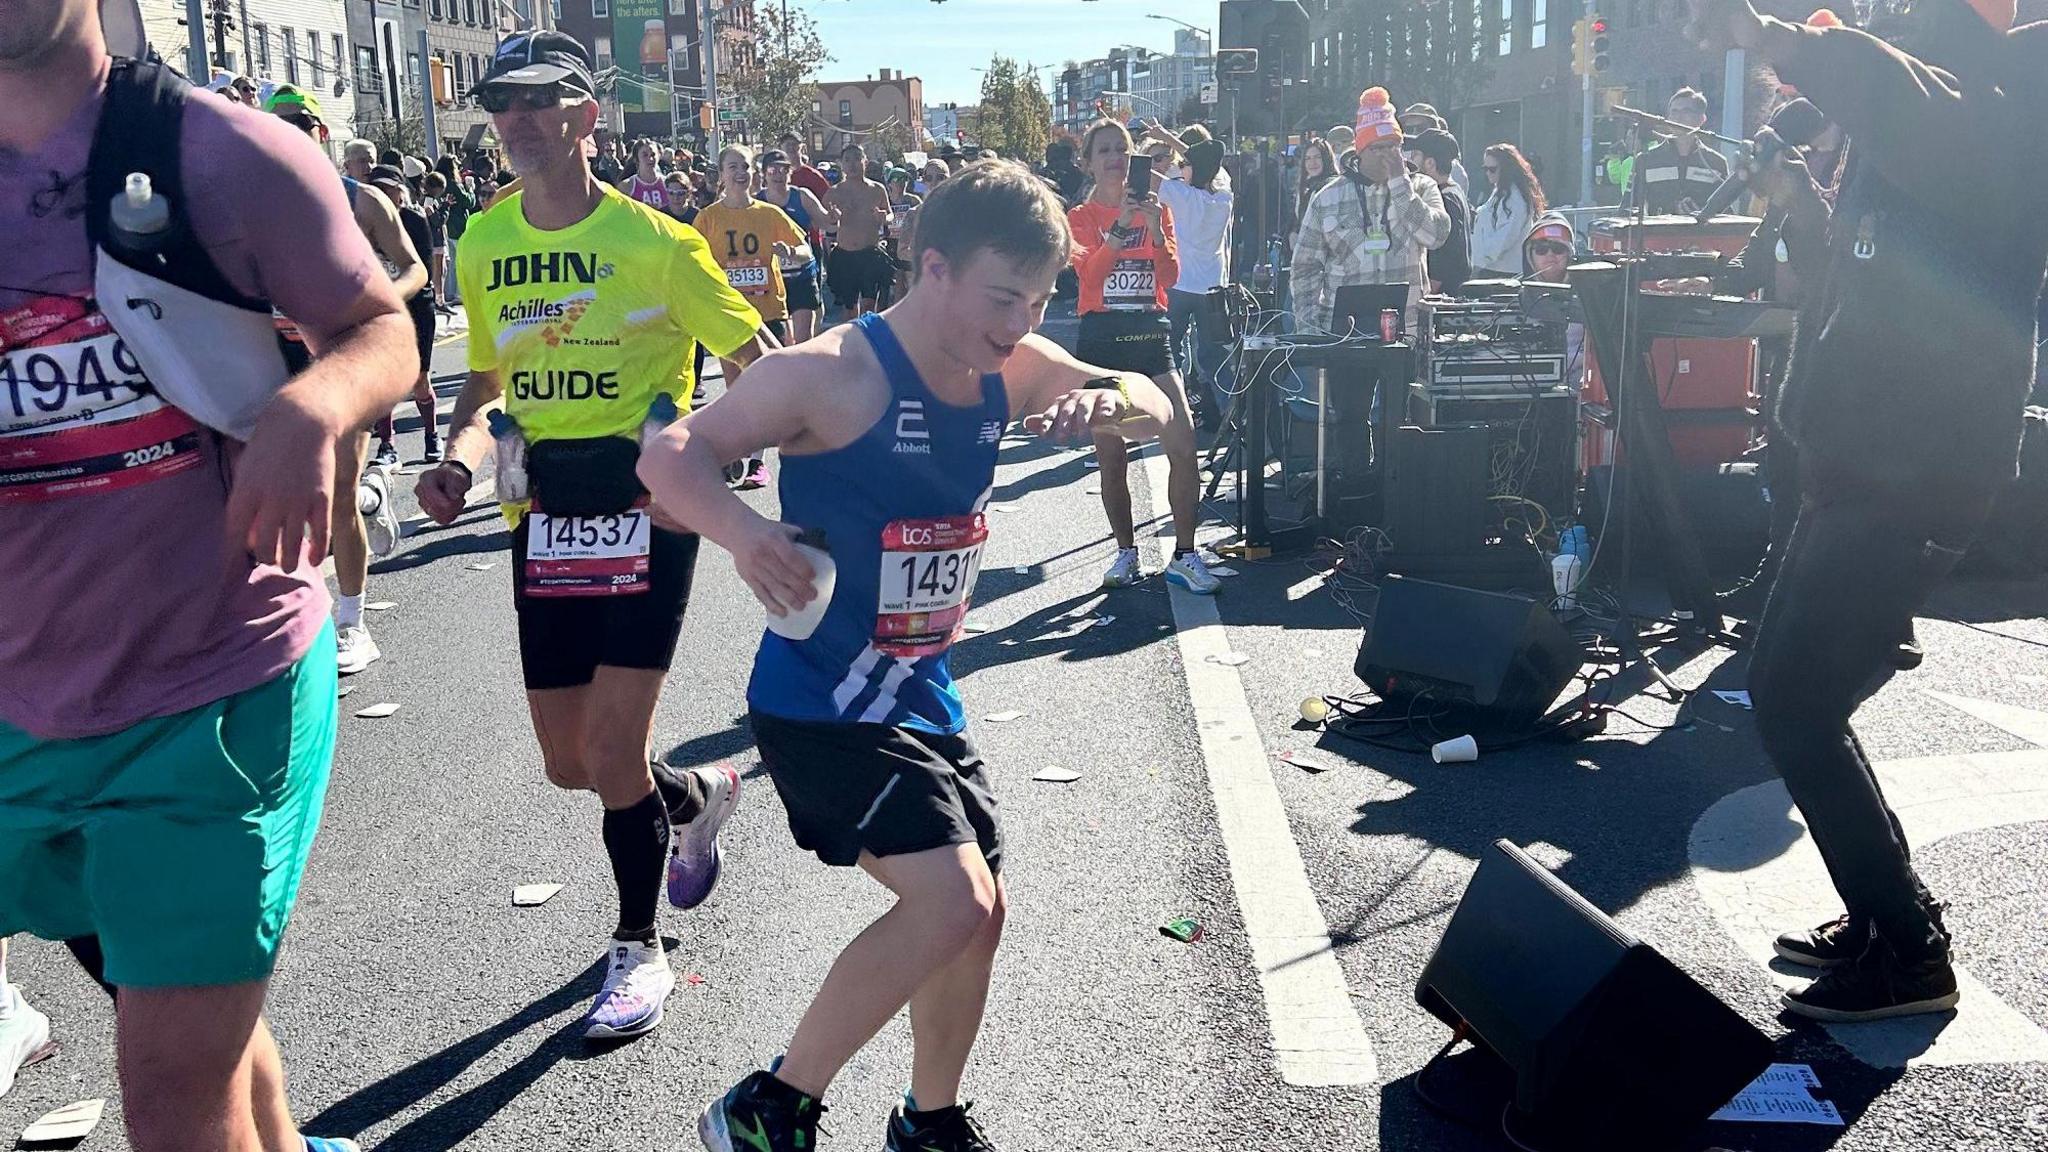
{"x": 860, "y": 725}
{"x": 799, "y": 280}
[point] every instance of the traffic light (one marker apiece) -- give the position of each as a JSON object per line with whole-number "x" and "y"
{"x": 1582, "y": 46}
{"x": 443, "y": 84}
{"x": 1600, "y": 57}
{"x": 1237, "y": 61}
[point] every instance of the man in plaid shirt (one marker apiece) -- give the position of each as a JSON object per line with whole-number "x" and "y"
{"x": 1376, "y": 226}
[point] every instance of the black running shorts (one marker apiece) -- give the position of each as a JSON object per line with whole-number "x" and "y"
{"x": 803, "y": 289}
{"x": 887, "y": 791}
{"x": 1126, "y": 342}
{"x": 859, "y": 274}
{"x": 562, "y": 640}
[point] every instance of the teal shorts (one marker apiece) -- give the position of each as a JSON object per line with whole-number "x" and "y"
{"x": 178, "y": 841}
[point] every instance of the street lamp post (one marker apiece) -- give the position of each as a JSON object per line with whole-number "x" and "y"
{"x": 1210, "y": 35}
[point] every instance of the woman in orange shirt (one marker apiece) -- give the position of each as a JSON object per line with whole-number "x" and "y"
{"x": 1125, "y": 257}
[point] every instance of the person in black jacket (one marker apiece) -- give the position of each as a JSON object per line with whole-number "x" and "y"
{"x": 1434, "y": 152}
{"x": 1910, "y": 368}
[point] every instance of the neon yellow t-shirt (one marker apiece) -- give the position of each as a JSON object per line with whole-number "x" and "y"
{"x": 586, "y": 324}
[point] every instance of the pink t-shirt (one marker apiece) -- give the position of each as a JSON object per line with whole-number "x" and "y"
{"x": 120, "y": 599}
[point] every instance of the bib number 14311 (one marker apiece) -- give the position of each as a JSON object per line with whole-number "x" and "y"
{"x": 927, "y": 578}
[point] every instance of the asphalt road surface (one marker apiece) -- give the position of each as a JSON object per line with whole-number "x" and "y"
{"x": 420, "y": 1011}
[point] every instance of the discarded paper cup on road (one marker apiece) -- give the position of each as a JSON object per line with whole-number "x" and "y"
{"x": 1461, "y": 750}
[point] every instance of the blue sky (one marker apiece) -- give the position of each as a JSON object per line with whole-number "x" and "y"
{"x": 943, "y": 43}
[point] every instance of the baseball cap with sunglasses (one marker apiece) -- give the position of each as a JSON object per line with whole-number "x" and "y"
{"x": 555, "y": 61}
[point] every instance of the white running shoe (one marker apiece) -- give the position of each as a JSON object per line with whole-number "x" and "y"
{"x": 1191, "y": 573}
{"x": 1125, "y": 572}
{"x": 354, "y": 650}
{"x": 630, "y": 1002}
{"x": 24, "y": 1035}
{"x": 379, "y": 516}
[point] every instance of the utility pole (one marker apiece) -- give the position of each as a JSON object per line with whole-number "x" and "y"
{"x": 1586, "y": 118}
{"x": 195, "y": 42}
{"x": 709, "y": 9}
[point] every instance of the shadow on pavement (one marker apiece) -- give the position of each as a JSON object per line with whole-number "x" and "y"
{"x": 448, "y": 1124}
{"x": 1463, "y": 1112}
{"x": 499, "y": 542}
{"x": 730, "y": 743}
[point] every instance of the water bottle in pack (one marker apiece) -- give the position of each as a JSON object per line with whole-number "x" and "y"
{"x": 509, "y": 452}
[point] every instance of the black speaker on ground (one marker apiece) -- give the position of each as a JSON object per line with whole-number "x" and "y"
{"x": 1506, "y": 656}
{"x": 1610, "y": 1044}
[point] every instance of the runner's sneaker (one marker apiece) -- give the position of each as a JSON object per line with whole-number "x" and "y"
{"x": 942, "y": 1130}
{"x": 382, "y": 520}
{"x": 24, "y": 1035}
{"x": 1878, "y": 985}
{"x": 756, "y": 477}
{"x": 354, "y": 650}
{"x": 433, "y": 453}
{"x": 695, "y": 863}
{"x": 630, "y": 1002}
{"x": 1189, "y": 572}
{"x": 331, "y": 1144}
{"x": 387, "y": 454}
{"x": 1125, "y": 571}
{"x": 761, "y": 1114}
{"x": 1834, "y": 943}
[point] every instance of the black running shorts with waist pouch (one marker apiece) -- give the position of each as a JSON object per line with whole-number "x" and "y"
{"x": 1126, "y": 342}
{"x": 853, "y": 788}
{"x": 594, "y": 582}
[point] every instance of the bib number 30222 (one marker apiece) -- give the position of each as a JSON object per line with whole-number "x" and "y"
{"x": 588, "y": 555}
{"x": 928, "y": 572}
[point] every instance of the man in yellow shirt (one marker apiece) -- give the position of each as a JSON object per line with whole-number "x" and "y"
{"x": 583, "y": 306}
{"x": 750, "y": 239}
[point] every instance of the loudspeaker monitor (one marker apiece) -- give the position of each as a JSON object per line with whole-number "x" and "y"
{"x": 1610, "y": 1044}
{"x": 1506, "y": 655}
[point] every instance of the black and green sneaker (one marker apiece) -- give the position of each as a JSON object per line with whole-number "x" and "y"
{"x": 940, "y": 1130}
{"x": 761, "y": 1114}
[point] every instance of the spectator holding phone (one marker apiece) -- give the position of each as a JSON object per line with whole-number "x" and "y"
{"x": 1126, "y": 257}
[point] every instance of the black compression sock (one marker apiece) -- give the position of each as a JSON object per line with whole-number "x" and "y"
{"x": 682, "y": 792}
{"x": 636, "y": 839}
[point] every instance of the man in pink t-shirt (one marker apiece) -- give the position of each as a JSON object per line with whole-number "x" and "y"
{"x": 167, "y": 681}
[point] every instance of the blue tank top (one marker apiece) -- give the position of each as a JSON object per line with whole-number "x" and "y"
{"x": 902, "y": 512}
{"x": 794, "y": 208}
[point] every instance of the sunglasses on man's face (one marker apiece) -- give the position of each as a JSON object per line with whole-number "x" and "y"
{"x": 1550, "y": 248}
{"x": 303, "y": 121}
{"x": 1492, "y": 168}
{"x": 540, "y": 97}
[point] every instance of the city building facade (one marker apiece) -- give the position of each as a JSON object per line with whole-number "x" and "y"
{"x": 305, "y": 43}
{"x": 886, "y": 108}
{"x": 1171, "y": 87}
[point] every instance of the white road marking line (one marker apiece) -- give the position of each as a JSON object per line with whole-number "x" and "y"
{"x": 1318, "y": 1039}
{"x": 1757, "y": 885}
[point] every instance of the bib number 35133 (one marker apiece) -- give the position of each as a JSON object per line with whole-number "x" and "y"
{"x": 928, "y": 572}
{"x": 588, "y": 555}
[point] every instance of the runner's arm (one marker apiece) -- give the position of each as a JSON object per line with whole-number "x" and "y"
{"x": 683, "y": 469}
{"x": 380, "y": 220}
{"x": 469, "y": 437}
{"x": 1048, "y": 389}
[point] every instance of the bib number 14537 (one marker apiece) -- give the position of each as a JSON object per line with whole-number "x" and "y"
{"x": 588, "y": 555}
{"x": 928, "y": 572}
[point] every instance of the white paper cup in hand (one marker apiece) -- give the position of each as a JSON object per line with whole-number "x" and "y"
{"x": 799, "y": 625}
{"x": 1461, "y": 750}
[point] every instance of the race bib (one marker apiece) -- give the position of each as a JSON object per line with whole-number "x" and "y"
{"x": 928, "y": 572}
{"x": 589, "y": 555}
{"x": 748, "y": 277}
{"x": 77, "y": 414}
{"x": 1131, "y": 287}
